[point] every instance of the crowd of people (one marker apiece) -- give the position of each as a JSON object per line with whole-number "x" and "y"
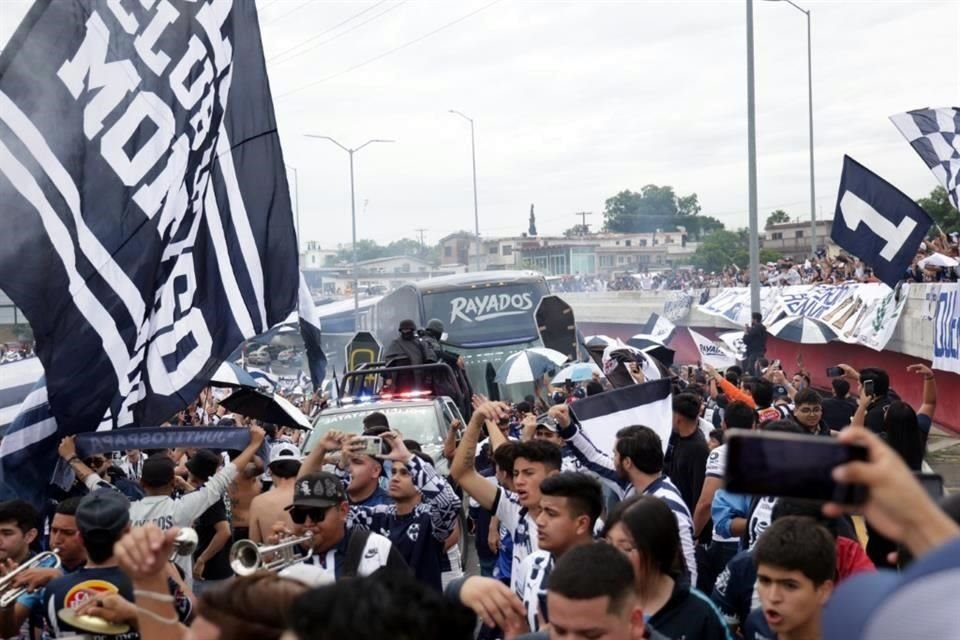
{"x": 361, "y": 536}
{"x": 820, "y": 269}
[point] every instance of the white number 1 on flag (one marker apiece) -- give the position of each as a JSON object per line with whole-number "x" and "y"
{"x": 856, "y": 211}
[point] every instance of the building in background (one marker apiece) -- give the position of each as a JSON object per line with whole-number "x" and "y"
{"x": 312, "y": 256}
{"x": 792, "y": 239}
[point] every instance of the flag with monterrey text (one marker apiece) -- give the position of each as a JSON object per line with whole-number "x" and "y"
{"x": 141, "y": 168}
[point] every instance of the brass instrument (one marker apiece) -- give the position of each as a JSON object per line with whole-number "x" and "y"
{"x": 92, "y": 624}
{"x": 247, "y": 557}
{"x": 9, "y": 591}
{"x": 185, "y": 543}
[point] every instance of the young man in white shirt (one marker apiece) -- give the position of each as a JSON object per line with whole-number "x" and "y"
{"x": 516, "y": 511}
{"x": 570, "y": 505}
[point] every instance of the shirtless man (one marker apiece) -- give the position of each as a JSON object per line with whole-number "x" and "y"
{"x": 243, "y": 490}
{"x": 267, "y": 509}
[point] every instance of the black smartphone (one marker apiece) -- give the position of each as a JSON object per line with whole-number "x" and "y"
{"x": 834, "y": 372}
{"x": 932, "y": 483}
{"x": 790, "y": 465}
{"x": 868, "y": 387}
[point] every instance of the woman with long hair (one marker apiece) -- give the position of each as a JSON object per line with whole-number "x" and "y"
{"x": 645, "y": 530}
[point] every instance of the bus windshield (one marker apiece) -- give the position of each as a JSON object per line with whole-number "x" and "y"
{"x": 486, "y": 316}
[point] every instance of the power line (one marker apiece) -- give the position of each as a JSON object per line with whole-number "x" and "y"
{"x": 389, "y": 51}
{"x": 273, "y": 59}
{"x": 284, "y": 15}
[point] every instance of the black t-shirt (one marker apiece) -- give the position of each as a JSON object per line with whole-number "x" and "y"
{"x": 689, "y": 614}
{"x": 217, "y": 567}
{"x": 71, "y": 591}
{"x": 686, "y": 465}
{"x": 838, "y": 412}
{"x": 876, "y": 412}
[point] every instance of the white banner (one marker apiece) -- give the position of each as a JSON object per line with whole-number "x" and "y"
{"x": 734, "y": 340}
{"x": 859, "y": 313}
{"x": 712, "y": 354}
{"x": 734, "y": 304}
{"x": 946, "y": 329}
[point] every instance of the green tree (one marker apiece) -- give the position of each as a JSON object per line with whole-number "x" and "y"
{"x": 576, "y": 231}
{"x": 366, "y": 250}
{"x": 777, "y": 217}
{"x": 938, "y": 205}
{"x": 721, "y": 249}
{"x": 657, "y": 207}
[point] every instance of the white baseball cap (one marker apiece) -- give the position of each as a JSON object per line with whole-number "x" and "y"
{"x": 285, "y": 451}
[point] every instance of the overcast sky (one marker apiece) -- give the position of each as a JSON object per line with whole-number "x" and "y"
{"x": 575, "y": 101}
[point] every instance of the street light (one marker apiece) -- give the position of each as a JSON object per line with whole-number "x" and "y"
{"x": 353, "y": 220}
{"x": 473, "y": 153}
{"x": 752, "y": 170}
{"x": 813, "y": 197}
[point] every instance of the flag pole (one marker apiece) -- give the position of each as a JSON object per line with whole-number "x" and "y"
{"x": 752, "y": 169}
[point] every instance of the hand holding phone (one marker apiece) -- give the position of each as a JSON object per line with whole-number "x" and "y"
{"x": 834, "y": 372}
{"x": 791, "y": 465}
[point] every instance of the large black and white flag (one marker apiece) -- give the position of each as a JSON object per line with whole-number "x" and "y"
{"x": 141, "y": 169}
{"x": 877, "y": 222}
{"x": 935, "y": 135}
{"x": 648, "y": 404}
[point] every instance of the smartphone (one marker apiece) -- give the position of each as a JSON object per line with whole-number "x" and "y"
{"x": 868, "y": 387}
{"x": 834, "y": 372}
{"x": 372, "y": 446}
{"x": 790, "y": 465}
{"x": 932, "y": 483}
{"x": 776, "y": 364}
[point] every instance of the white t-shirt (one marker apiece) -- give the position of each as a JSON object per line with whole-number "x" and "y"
{"x": 521, "y": 525}
{"x": 717, "y": 468}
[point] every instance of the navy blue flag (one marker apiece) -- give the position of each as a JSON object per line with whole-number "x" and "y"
{"x": 312, "y": 337}
{"x": 141, "y": 168}
{"x": 877, "y": 222}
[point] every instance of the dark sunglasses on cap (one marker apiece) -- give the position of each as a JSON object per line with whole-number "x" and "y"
{"x": 316, "y": 514}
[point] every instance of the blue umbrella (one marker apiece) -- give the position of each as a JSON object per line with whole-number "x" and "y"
{"x": 577, "y": 372}
{"x": 528, "y": 365}
{"x": 231, "y": 375}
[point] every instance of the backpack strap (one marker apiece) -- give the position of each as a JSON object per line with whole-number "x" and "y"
{"x": 351, "y": 561}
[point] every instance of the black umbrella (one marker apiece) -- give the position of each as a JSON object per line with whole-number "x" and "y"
{"x": 652, "y": 346}
{"x": 267, "y": 407}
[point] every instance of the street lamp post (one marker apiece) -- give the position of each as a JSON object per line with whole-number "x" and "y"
{"x": 752, "y": 170}
{"x": 473, "y": 154}
{"x": 353, "y": 221}
{"x": 813, "y": 193}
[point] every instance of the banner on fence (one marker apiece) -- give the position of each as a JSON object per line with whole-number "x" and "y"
{"x": 860, "y": 313}
{"x": 946, "y": 329}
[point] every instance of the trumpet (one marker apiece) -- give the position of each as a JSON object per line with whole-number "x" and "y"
{"x": 185, "y": 543}
{"x": 11, "y": 592}
{"x": 247, "y": 557}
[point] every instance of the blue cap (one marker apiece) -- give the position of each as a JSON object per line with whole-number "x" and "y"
{"x": 918, "y": 603}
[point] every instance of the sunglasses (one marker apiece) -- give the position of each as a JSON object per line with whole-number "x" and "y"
{"x": 316, "y": 514}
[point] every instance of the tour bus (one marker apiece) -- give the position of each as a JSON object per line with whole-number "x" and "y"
{"x": 486, "y": 316}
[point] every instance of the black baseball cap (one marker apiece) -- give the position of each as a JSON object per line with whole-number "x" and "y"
{"x": 318, "y": 489}
{"x": 104, "y": 512}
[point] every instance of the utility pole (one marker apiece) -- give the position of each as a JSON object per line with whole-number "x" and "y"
{"x": 420, "y": 233}
{"x": 583, "y": 221}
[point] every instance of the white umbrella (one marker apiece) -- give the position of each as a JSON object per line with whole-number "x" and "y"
{"x": 528, "y": 365}
{"x": 803, "y": 330}
{"x": 938, "y": 260}
{"x": 552, "y": 355}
